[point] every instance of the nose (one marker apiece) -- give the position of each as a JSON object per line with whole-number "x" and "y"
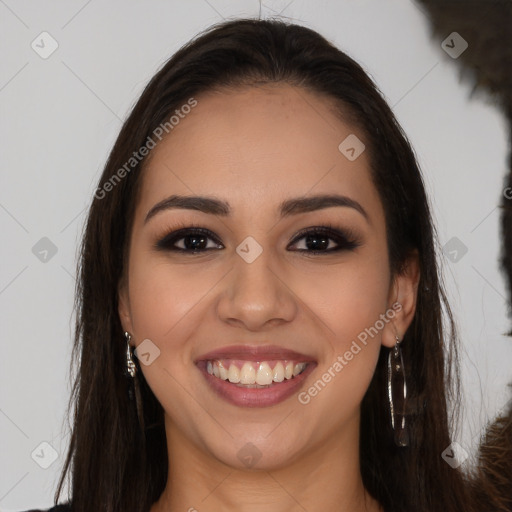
{"x": 256, "y": 296}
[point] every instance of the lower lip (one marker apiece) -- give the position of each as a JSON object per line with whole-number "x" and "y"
{"x": 255, "y": 397}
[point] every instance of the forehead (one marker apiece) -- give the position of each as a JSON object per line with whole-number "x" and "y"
{"x": 256, "y": 144}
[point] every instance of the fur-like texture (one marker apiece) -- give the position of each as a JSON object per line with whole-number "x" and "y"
{"x": 493, "y": 478}
{"x": 487, "y": 63}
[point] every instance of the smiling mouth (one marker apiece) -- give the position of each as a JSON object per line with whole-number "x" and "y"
{"x": 254, "y": 374}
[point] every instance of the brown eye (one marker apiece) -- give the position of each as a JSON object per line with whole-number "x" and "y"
{"x": 320, "y": 239}
{"x": 317, "y": 240}
{"x": 191, "y": 240}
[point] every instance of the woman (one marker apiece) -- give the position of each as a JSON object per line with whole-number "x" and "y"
{"x": 261, "y": 236}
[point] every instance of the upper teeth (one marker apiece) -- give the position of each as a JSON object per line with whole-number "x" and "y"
{"x": 262, "y": 373}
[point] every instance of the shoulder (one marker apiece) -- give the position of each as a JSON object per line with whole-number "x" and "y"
{"x": 66, "y": 507}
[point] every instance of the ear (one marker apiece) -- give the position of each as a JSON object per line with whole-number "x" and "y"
{"x": 124, "y": 306}
{"x": 402, "y": 300}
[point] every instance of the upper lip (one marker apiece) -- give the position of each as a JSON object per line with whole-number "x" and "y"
{"x": 255, "y": 353}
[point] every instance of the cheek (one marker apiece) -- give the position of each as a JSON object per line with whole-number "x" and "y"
{"x": 352, "y": 306}
{"x": 347, "y": 298}
{"x": 165, "y": 304}
{"x": 162, "y": 295}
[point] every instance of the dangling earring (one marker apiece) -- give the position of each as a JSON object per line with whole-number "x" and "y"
{"x": 133, "y": 393}
{"x": 131, "y": 369}
{"x": 397, "y": 391}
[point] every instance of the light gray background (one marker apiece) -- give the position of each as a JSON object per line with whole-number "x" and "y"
{"x": 60, "y": 117}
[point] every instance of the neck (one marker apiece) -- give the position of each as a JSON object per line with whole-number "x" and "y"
{"x": 325, "y": 478}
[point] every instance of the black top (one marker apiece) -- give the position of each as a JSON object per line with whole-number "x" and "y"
{"x": 66, "y": 507}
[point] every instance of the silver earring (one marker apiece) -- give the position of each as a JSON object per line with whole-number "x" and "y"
{"x": 397, "y": 392}
{"x": 134, "y": 393}
{"x": 130, "y": 364}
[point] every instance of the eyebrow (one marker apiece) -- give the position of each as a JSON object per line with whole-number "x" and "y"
{"x": 286, "y": 208}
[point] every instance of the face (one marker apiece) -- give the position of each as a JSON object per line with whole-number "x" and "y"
{"x": 260, "y": 282}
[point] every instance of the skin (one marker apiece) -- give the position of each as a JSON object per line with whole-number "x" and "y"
{"x": 255, "y": 147}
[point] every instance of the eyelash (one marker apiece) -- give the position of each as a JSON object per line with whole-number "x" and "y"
{"x": 345, "y": 239}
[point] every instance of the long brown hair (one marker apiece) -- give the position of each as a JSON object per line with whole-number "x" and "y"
{"x": 116, "y": 464}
